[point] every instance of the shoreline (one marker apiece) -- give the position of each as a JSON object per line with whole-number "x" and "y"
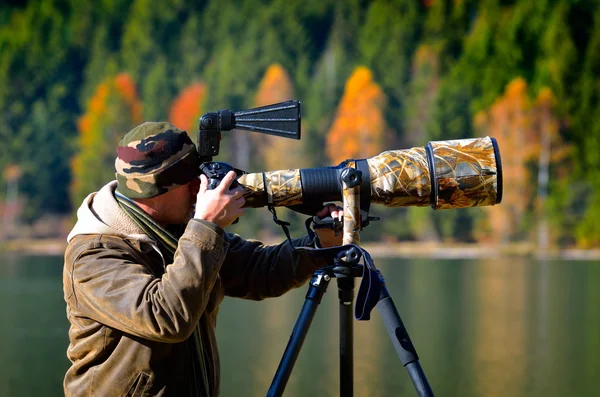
{"x": 376, "y": 249}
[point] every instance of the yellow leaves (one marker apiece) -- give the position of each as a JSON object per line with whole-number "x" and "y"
{"x": 360, "y": 89}
{"x": 276, "y": 152}
{"x": 424, "y": 55}
{"x": 275, "y": 86}
{"x": 521, "y": 127}
{"x": 187, "y": 107}
{"x": 97, "y": 104}
{"x": 516, "y": 89}
{"x": 12, "y": 172}
{"x": 546, "y": 98}
{"x": 480, "y": 120}
{"x": 359, "y": 126}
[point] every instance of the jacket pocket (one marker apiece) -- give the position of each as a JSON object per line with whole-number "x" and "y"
{"x": 139, "y": 385}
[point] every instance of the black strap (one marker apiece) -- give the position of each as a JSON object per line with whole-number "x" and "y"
{"x": 284, "y": 225}
{"x": 369, "y": 290}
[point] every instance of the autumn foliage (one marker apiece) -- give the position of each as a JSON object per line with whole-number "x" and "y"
{"x": 359, "y": 126}
{"x": 187, "y": 107}
{"x": 276, "y": 152}
{"x": 527, "y": 133}
{"x": 112, "y": 111}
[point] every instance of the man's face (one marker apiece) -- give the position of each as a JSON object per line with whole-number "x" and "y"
{"x": 177, "y": 205}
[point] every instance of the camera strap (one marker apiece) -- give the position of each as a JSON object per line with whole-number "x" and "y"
{"x": 284, "y": 225}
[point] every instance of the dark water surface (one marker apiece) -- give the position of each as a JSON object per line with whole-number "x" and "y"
{"x": 504, "y": 327}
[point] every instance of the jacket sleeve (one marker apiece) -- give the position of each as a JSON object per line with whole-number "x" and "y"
{"x": 110, "y": 286}
{"x": 255, "y": 271}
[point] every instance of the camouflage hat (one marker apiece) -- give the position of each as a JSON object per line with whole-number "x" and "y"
{"x": 154, "y": 158}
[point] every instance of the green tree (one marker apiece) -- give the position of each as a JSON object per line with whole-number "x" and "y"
{"x": 330, "y": 73}
{"x": 587, "y": 132}
{"x": 387, "y": 41}
{"x": 38, "y": 67}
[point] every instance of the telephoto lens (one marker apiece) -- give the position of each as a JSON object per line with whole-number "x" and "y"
{"x": 457, "y": 173}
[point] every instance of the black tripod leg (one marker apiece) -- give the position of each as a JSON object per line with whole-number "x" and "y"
{"x": 401, "y": 341}
{"x": 346, "y": 295}
{"x": 318, "y": 285}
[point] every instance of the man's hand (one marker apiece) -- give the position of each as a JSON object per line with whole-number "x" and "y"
{"x": 327, "y": 237}
{"x": 220, "y": 206}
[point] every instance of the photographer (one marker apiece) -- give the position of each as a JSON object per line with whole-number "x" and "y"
{"x": 148, "y": 264}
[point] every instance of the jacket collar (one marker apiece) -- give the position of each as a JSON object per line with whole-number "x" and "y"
{"x": 100, "y": 214}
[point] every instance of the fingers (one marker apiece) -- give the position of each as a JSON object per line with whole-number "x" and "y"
{"x": 237, "y": 192}
{"x": 331, "y": 210}
{"x": 337, "y": 214}
{"x": 227, "y": 181}
{"x": 326, "y": 210}
{"x": 240, "y": 201}
{"x": 203, "y": 184}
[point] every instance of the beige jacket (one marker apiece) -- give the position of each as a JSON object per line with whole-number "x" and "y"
{"x": 131, "y": 313}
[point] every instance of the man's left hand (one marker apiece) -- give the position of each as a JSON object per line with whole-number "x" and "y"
{"x": 327, "y": 236}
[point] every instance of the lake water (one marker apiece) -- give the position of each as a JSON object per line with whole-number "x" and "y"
{"x": 502, "y": 327}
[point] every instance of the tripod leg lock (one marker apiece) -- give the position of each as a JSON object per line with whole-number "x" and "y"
{"x": 319, "y": 278}
{"x": 318, "y": 285}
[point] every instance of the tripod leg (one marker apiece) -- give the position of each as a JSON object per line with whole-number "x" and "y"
{"x": 401, "y": 341}
{"x": 318, "y": 285}
{"x": 346, "y": 295}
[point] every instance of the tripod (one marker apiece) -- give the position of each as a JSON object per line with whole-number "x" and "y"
{"x": 344, "y": 265}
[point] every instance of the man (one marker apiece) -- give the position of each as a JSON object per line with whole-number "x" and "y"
{"x": 143, "y": 281}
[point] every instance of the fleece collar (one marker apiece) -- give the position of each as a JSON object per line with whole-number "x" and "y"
{"x": 100, "y": 214}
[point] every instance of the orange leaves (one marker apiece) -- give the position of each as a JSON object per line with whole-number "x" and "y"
{"x": 275, "y": 86}
{"x": 187, "y": 107}
{"x": 276, "y": 152}
{"x": 84, "y": 123}
{"x": 509, "y": 121}
{"x": 122, "y": 87}
{"x": 126, "y": 88}
{"x": 12, "y": 172}
{"x": 546, "y": 98}
{"x": 527, "y": 134}
{"x": 359, "y": 126}
{"x": 113, "y": 109}
{"x": 97, "y": 104}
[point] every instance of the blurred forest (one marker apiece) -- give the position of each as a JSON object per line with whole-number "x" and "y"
{"x": 371, "y": 75}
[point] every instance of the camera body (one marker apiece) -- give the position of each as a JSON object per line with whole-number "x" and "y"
{"x": 216, "y": 171}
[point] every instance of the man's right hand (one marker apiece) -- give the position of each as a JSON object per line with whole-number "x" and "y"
{"x": 220, "y": 206}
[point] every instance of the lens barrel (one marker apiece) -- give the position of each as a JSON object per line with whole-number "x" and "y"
{"x": 444, "y": 174}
